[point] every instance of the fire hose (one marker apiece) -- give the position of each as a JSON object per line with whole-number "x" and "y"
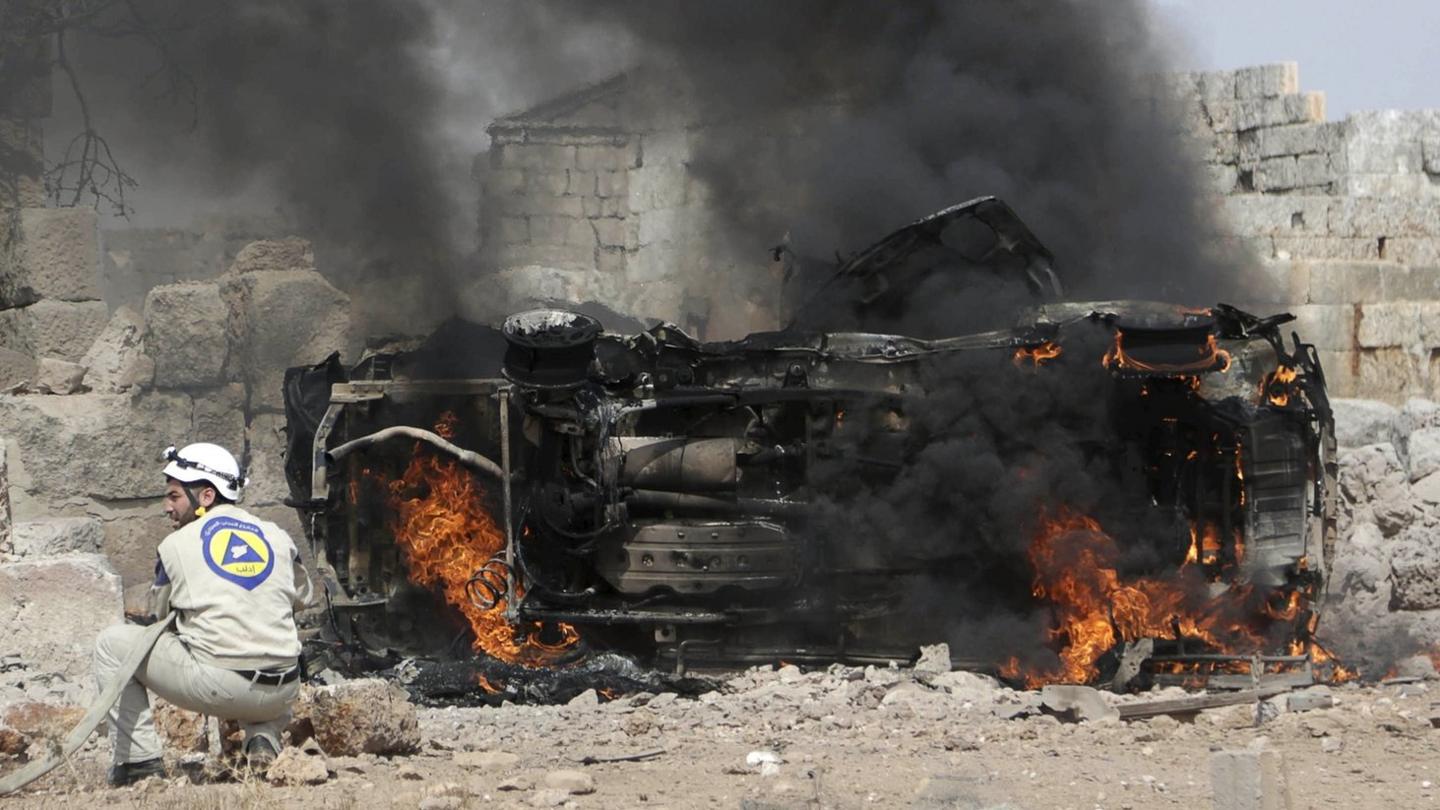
{"x": 82, "y": 731}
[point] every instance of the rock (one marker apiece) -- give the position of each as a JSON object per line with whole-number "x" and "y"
{"x": 1079, "y": 703}
{"x": 1331, "y": 745}
{"x": 638, "y": 723}
{"x": 587, "y": 699}
{"x": 441, "y": 803}
{"x": 180, "y": 729}
{"x": 35, "y": 722}
{"x": 364, "y": 716}
{"x": 185, "y": 334}
{"x": 1415, "y": 575}
{"x": 1417, "y": 414}
{"x": 1316, "y": 697}
{"x": 934, "y": 659}
{"x": 17, "y": 368}
{"x": 1359, "y": 422}
{"x": 1416, "y": 666}
{"x": 52, "y": 610}
{"x": 101, "y": 446}
{"x": 58, "y": 329}
{"x": 1249, "y": 779}
{"x": 410, "y": 772}
{"x": 971, "y": 687}
{"x": 280, "y": 319}
{"x": 790, "y": 674}
{"x": 549, "y": 797}
{"x": 485, "y": 760}
{"x": 1424, "y": 450}
{"x": 56, "y": 257}
{"x": 54, "y": 376}
{"x": 288, "y": 254}
{"x": 116, "y": 361}
{"x": 517, "y": 782}
{"x": 575, "y": 783}
{"x": 296, "y": 767}
{"x": 51, "y": 536}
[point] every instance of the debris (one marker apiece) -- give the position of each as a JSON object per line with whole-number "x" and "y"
{"x": 1079, "y": 703}
{"x": 757, "y": 758}
{"x": 56, "y": 376}
{"x": 1249, "y": 779}
{"x": 549, "y": 797}
{"x": 1190, "y": 705}
{"x": 295, "y": 766}
{"x": 364, "y": 716}
{"x": 441, "y": 803}
{"x": 576, "y": 783}
{"x": 590, "y": 759}
{"x": 586, "y": 699}
{"x": 934, "y": 659}
{"x": 1332, "y": 745}
{"x": 1317, "y": 697}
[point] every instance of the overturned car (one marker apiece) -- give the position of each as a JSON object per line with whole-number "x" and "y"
{"x": 1091, "y": 491}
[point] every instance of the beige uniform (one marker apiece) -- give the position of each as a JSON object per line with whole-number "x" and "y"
{"x": 234, "y": 583}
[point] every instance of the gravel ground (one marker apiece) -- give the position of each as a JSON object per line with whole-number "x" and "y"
{"x": 842, "y": 738}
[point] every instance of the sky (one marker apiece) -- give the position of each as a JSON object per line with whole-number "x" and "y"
{"x": 1364, "y": 54}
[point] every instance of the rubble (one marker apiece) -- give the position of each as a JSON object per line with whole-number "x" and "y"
{"x": 60, "y": 329}
{"x": 1080, "y": 703}
{"x": 1252, "y": 778}
{"x": 53, "y": 376}
{"x": 297, "y": 765}
{"x": 80, "y": 596}
{"x": 364, "y": 717}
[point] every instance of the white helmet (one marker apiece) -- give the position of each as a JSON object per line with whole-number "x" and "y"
{"x": 203, "y": 461}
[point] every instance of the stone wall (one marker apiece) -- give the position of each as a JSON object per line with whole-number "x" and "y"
{"x": 590, "y": 198}
{"x": 1343, "y": 215}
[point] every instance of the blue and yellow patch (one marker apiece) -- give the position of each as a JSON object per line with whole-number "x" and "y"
{"x": 237, "y": 551}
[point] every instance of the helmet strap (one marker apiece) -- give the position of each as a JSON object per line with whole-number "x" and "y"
{"x": 194, "y": 501}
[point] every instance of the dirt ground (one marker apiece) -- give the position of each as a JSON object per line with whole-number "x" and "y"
{"x": 843, "y": 738}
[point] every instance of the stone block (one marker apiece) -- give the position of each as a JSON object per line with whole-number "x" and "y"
{"x": 1329, "y": 327}
{"x": 52, "y": 610}
{"x": 603, "y": 157}
{"x": 133, "y": 529}
{"x": 1342, "y": 369}
{"x": 546, "y": 183}
{"x": 54, "y": 376}
{"x": 22, "y": 184}
{"x": 1315, "y": 171}
{"x": 1079, "y": 703}
{"x": 1392, "y": 324}
{"x": 580, "y": 232}
{"x": 1346, "y": 282}
{"x": 1215, "y": 85}
{"x": 1285, "y": 283}
{"x": 1267, "y": 81}
{"x": 1222, "y": 179}
{"x": 265, "y": 445}
{"x": 92, "y": 445}
{"x": 17, "y": 369}
{"x": 1291, "y": 139}
{"x": 282, "y": 319}
{"x": 60, "y": 329}
{"x": 610, "y": 232}
{"x": 535, "y": 156}
{"x": 1279, "y": 111}
{"x": 556, "y": 257}
{"x": 116, "y": 362}
{"x": 534, "y": 204}
{"x": 611, "y": 183}
{"x": 1424, "y": 251}
{"x": 580, "y": 182}
{"x": 1388, "y": 142}
{"x": 512, "y": 230}
{"x": 219, "y": 416}
{"x": 1325, "y": 248}
{"x": 48, "y": 537}
{"x": 1363, "y": 422}
{"x": 186, "y": 334}
{"x": 1275, "y": 174}
{"x": 551, "y": 230}
{"x": 1393, "y": 374}
{"x": 57, "y": 256}
{"x": 1269, "y": 215}
{"x": 505, "y": 182}
{"x": 1249, "y": 779}
{"x": 290, "y": 253}
{"x": 1381, "y": 216}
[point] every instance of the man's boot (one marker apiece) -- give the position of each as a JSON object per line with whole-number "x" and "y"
{"x": 128, "y": 773}
{"x": 259, "y": 753}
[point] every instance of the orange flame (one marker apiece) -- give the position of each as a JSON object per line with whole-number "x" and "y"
{"x": 1211, "y": 358}
{"x": 1277, "y": 386}
{"x": 486, "y": 684}
{"x": 446, "y": 534}
{"x": 1074, "y": 562}
{"x": 1037, "y": 355}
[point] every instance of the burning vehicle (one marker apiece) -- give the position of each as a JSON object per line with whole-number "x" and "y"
{"x": 565, "y": 489}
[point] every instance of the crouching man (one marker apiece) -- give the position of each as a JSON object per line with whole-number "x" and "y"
{"x": 234, "y": 583}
